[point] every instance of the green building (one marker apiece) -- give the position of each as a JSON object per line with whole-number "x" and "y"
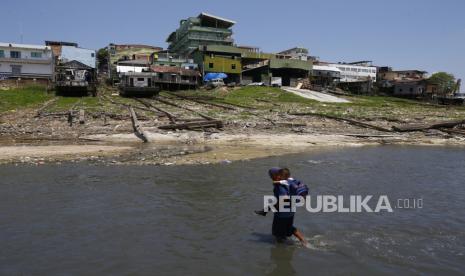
{"x": 205, "y": 29}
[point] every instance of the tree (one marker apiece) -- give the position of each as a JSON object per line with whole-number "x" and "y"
{"x": 102, "y": 56}
{"x": 445, "y": 82}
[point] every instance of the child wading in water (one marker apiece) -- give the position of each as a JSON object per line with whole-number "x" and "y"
{"x": 283, "y": 222}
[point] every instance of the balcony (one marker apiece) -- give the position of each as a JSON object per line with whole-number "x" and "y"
{"x": 26, "y": 60}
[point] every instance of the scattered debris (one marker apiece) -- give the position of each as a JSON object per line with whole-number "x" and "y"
{"x": 350, "y": 121}
{"x": 194, "y": 125}
{"x": 422, "y": 127}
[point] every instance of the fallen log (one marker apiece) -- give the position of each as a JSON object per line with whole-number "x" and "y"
{"x": 133, "y": 106}
{"x": 350, "y": 121}
{"x": 204, "y": 102}
{"x": 44, "y": 106}
{"x": 138, "y": 131}
{"x": 453, "y": 131}
{"x": 54, "y": 114}
{"x": 170, "y": 116}
{"x": 289, "y": 124}
{"x": 371, "y": 135}
{"x": 194, "y": 125}
{"x": 266, "y": 101}
{"x": 240, "y": 105}
{"x": 183, "y": 107}
{"x": 422, "y": 127}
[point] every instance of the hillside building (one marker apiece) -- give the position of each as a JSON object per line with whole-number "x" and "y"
{"x": 205, "y": 29}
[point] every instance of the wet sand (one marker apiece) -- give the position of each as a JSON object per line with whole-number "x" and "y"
{"x": 219, "y": 147}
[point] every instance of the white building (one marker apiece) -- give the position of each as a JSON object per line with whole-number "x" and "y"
{"x": 355, "y": 73}
{"x": 85, "y": 56}
{"x": 296, "y": 53}
{"x": 136, "y": 66}
{"x": 26, "y": 61}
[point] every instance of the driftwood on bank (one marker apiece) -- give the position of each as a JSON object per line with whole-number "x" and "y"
{"x": 138, "y": 131}
{"x": 133, "y": 106}
{"x": 152, "y": 107}
{"x": 194, "y": 125}
{"x": 266, "y": 101}
{"x": 453, "y": 131}
{"x": 204, "y": 102}
{"x": 241, "y": 106}
{"x": 350, "y": 121}
{"x": 40, "y": 111}
{"x": 183, "y": 107}
{"x": 422, "y": 127}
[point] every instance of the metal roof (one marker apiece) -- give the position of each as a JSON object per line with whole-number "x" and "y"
{"x": 204, "y": 14}
{"x": 60, "y": 43}
{"x": 25, "y": 46}
{"x": 227, "y": 23}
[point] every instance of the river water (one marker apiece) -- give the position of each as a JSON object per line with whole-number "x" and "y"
{"x": 84, "y": 219}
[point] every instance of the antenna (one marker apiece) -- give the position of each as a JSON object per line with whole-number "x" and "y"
{"x": 21, "y": 31}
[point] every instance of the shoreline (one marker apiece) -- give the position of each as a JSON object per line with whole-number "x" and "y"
{"x": 250, "y": 122}
{"x": 190, "y": 147}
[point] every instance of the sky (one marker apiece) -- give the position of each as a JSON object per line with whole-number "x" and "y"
{"x": 410, "y": 34}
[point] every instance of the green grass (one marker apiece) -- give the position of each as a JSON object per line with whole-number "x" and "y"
{"x": 23, "y": 98}
{"x": 247, "y": 95}
{"x": 373, "y": 107}
{"x": 260, "y": 98}
{"x": 66, "y": 103}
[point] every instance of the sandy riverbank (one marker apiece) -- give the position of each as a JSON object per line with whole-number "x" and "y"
{"x": 191, "y": 147}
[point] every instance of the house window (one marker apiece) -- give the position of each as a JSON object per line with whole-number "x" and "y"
{"x": 36, "y": 54}
{"x": 2, "y": 53}
{"x": 15, "y": 54}
{"x": 233, "y": 66}
{"x": 92, "y": 55}
{"x": 140, "y": 79}
{"x": 411, "y": 89}
{"x": 210, "y": 65}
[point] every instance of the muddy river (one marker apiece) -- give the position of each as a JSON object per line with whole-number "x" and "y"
{"x": 88, "y": 219}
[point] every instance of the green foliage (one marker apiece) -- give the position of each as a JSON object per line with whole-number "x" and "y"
{"x": 444, "y": 81}
{"x": 22, "y": 97}
{"x": 102, "y": 55}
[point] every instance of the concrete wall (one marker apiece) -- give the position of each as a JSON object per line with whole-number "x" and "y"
{"x": 408, "y": 89}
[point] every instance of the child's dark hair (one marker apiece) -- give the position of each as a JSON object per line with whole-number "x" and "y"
{"x": 285, "y": 173}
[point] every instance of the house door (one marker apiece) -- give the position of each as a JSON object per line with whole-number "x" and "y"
{"x": 131, "y": 82}
{"x": 16, "y": 70}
